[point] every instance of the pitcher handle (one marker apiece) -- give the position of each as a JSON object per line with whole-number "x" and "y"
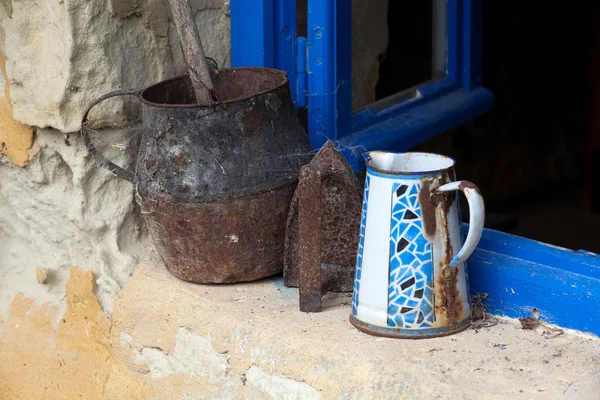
{"x": 476, "y": 217}
{"x": 86, "y": 131}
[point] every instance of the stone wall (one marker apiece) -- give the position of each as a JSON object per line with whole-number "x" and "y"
{"x": 90, "y": 339}
{"x": 59, "y": 57}
{"x": 57, "y": 207}
{"x": 250, "y": 341}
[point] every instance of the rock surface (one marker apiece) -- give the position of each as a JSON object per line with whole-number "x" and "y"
{"x": 249, "y": 341}
{"x": 63, "y": 210}
{"x": 16, "y": 139}
{"x": 259, "y": 325}
{"x": 63, "y": 55}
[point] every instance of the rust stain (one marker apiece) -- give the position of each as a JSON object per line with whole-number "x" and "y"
{"x": 468, "y": 185}
{"x": 194, "y": 238}
{"x": 252, "y": 121}
{"x": 451, "y": 302}
{"x": 216, "y": 183}
{"x": 427, "y": 209}
{"x": 434, "y": 206}
{"x": 431, "y": 201}
{"x": 180, "y": 160}
{"x": 323, "y": 229}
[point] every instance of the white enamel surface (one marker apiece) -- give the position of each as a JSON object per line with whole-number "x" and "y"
{"x": 408, "y": 162}
{"x": 476, "y": 219}
{"x": 373, "y": 294}
{"x": 438, "y": 241}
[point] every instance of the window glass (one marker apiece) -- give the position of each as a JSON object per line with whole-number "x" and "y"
{"x": 410, "y": 39}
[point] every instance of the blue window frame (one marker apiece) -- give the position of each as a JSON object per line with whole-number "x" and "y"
{"x": 517, "y": 274}
{"x": 319, "y": 70}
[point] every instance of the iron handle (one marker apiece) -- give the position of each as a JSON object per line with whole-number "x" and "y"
{"x": 86, "y": 131}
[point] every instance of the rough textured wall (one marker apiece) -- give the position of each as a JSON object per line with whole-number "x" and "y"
{"x": 82, "y": 356}
{"x": 61, "y": 209}
{"x": 16, "y": 139}
{"x": 61, "y": 55}
{"x": 250, "y": 342}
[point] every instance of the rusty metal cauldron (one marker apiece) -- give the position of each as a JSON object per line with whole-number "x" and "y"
{"x": 215, "y": 183}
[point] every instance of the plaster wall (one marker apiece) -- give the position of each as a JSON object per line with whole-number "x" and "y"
{"x": 57, "y": 207}
{"x": 249, "y": 341}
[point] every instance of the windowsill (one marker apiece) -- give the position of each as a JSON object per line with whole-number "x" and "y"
{"x": 412, "y": 126}
{"x": 245, "y": 326}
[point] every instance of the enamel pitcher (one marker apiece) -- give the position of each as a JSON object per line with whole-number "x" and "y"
{"x": 411, "y": 277}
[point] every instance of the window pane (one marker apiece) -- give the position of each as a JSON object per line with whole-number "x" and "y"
{"x": 408, "y": 38}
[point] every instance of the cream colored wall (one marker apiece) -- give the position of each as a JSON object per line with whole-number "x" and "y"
{"x": 250, "y": 341}
{"x": 16, "y": 139}
{"x": 57, "y": 207}
{"x": 60, "y": 209}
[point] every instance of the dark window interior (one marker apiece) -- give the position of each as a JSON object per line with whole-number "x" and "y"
{"x": 536, "y": 156}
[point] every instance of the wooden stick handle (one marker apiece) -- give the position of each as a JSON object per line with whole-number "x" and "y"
{"x": 193, "y": 53}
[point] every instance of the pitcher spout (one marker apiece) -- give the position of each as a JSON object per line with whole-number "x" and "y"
{"x": 410, "y": 163}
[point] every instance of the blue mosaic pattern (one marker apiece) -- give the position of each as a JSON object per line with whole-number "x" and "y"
{"x": 411, "y": 300}
{"x": 359, "y": 256}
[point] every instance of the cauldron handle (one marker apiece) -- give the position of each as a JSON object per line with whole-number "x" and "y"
{"x": 86, "y": 131}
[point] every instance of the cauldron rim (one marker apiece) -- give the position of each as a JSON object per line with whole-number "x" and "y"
{"x": 282, "y": 75}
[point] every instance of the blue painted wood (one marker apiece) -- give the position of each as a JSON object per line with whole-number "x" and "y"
{"x": 374, "y": 114}
{"x": 322, "y": 116}
{"x": 405, "y": 129}
{"x": 252, "y": 33}
{"x": 343, "y": 66}
{"x": 520, "y": 274}
{"x": 471, "y": 28}
{"x": 285, "y": 41}
{"x": 263, "y": 34}
{"x": 329, "y": 69}
{"x": 579, "y": 262}
{"x": 436, "y": 106}
{"x": 302, "y": 78}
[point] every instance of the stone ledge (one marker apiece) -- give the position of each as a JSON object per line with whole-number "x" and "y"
{"x": 222, "y": 333}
